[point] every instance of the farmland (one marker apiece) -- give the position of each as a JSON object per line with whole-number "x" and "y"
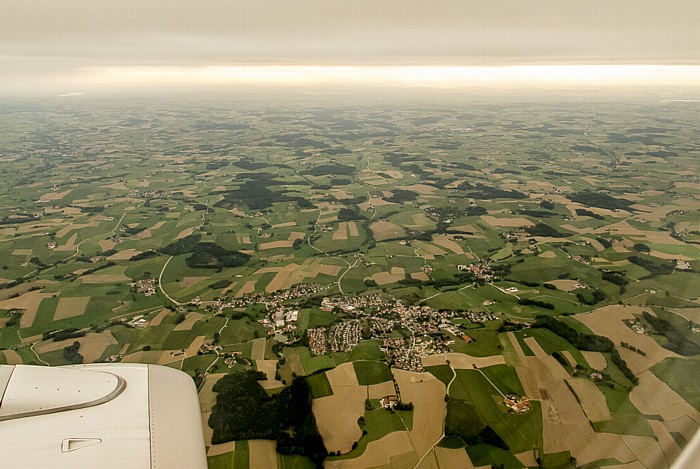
{"x": 378, "y": 248}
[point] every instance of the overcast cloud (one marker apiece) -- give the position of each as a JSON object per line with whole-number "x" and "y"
{"x": 58, "y": 38}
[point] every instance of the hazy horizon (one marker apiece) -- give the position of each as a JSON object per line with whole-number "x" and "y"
{"x": 76, "y": 46}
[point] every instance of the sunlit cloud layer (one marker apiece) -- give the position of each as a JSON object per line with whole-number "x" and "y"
{"x": 431, "y": 76}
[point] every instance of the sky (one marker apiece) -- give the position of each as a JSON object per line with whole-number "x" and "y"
{"x": 132, "y": 42}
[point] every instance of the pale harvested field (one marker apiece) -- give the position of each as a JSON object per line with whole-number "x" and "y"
{"x": 429, "y": 462}
{"x": 151, "y": 356}
{"x": 70, "y": 244}
{"x": 670, "y": 257}
{"x": 448, "y": 243}
{"x": 243, "y": 239}
{"x": 569, "y": 358}
{"x": 683, "y": 425}
{"x": 630, "y": 465}
{"x": 262, "y": 454}
{"x": 527, "y": 458}
{"x": 427, "y": 394}
{"x": 352, "y": 227}
{"x": 54, "y": 195}
{"x": 377, "y": 391}
{"x": 230, "y": 287}
{"x": 116, "y": 185}
{"x": 565, "y": 426}
{"x": 207, "y": 397}
{"x": 29, "y": 302}
{"x": 393, "y": 173}
{"x": 620, "y": 247}
{"x": 189, "y": 281}
{"x": 565, "y": 285}
{"x": 327, "y": 219}
{"x": 461, "y": 361}
{"x": 281, "y": 278}
{"x": 106, "y": 244}
{"x": 184, "y": 233}
{"x": 189, "y": 321}
{"x": 516, "y": 345}
{"x": 647, "y": 450}
{"x": 596, "y": 244}
{"x": 596, "y": 360}
{"x": 420, "y": 188}
{"x": 625, "y": 229}
{"x": 258, "y": 350}
{"x": 192, "y": 350}
{"x": 12, "y": 357}
{"x": 420, "y": 276}
{"x": 342, "y": 375}
{"x": 269, "y": 367}
{"x": 666, "y": 442}
{"x": 22, "y": 252}
{"x": 376, "y": 182}
{"x": 285, "y": 224}
{"x": 548, "y": 255}
{"x": 267, "y": 270}
{"x": 215, "y": 450}
{"x": 576, "y": 229}
{"x": 75, "y": 226}
{"x": 208, "y": 432}
{"x": 428, "y": 250}
{"x": 421, "y": 222}
{"x": 341, "y": 233}
{"x": 453, "y": 458}
{"x": 92, "y": 345}
{"x": 607, "y": 321}
{"x": 282, "y": 244}
{"x": 654, "y": 397}
{"x": 311, "y": 268}
{"x": 507, "y": 222}
{"x": 105, "y": 278}
{"x": 384, "y": 278}
{"x": 384, "y": 230}
{"x": 690, "y": 313}
{"x": 159, "y": 317}
{"x": 336, "y": 416}
{"x": 124, "y": 255}
{"x": 377, "y": 453}
{"x": 592, "y": 399}
{"x": 147, "y": 233}
{"x": 248, "y": 287}
{"x": 70, "y": 307}
{"x": 467, "y": 228}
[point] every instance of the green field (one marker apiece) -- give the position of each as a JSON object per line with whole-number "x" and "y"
{"x": 320, "y": 387}
{"x": 237, "y": 459}
{"x": 681, "y": 376}
{"x": 520, "y": 432}
{"x": 372, "y": 372}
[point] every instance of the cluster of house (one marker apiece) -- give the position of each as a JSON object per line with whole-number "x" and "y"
{"x": 517, "y": 404}
{"x": 147, "y": 286}
{"x": 400, "y": 353}
{"x": 271, "y": 299}
{"x": 480, "y": 269}
{"x": 138, "y": 322}
{"x": 431, "y": 331}
{"x": 635, "y": 325}
{"x": 318, "y": 341}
